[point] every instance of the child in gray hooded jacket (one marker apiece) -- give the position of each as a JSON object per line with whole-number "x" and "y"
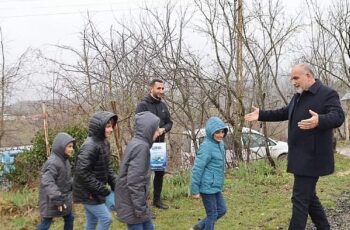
{"x": 55, "y": 193}
{"x": 134, "y": 176}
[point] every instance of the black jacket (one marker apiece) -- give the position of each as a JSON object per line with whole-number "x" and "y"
{"x": 93, "y": 169}
{"x": 158, "y": 108}
{"x": 55, "y": 180}
{"x": 310, "y": 151}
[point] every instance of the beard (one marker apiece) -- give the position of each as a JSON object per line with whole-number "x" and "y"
{"x": 299, "y": 90}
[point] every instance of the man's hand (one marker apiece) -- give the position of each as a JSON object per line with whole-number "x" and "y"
{"x": 197, "y": 196}
{"x": 253, "y": 116}
{"x": 309, "y": 123}
{"x": 161, "y": 131}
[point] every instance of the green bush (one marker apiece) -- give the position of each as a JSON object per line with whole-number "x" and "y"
{"x": 29, "y": 163}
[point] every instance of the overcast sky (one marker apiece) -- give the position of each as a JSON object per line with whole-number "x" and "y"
{"x": 38, "y": 23}
{"x": 42, "y": 23}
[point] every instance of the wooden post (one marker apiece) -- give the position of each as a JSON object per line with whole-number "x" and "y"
{"x": 46, "y": 131}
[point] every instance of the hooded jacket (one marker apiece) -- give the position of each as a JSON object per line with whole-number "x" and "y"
{"x": 208, "y": 171}
{"x": 159, "y": 108}
{"x": 55, "y": 180}
{"x": 134, "y": 175}
{"x": 93, "y": 170}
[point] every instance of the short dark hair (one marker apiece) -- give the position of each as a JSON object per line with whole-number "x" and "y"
{"x": 153, "y": 82}
{"x": 113, "y": 120}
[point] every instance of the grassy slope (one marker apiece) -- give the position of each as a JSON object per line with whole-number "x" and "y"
{"x": 256, "y": 199}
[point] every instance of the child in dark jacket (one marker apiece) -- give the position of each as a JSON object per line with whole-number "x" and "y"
{"x": 208, "y": 173}
{"x": 134, "y": 175}
{"x": 55, "y": 193}
{"x": 93, "y": 171}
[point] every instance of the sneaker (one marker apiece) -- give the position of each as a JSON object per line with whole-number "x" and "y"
{"x": 196, "y": 227}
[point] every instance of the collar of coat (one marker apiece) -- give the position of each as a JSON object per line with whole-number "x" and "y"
{"x": 314, "y": 88}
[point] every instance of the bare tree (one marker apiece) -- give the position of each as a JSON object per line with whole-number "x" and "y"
{"x": 10, "y": 75}
{"x": 329, "y": 40}
{"x": 264, "y": 51}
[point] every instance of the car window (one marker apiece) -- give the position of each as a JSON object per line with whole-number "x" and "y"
{"x": 253, "y": 140}
{"x": 271, "y": 142}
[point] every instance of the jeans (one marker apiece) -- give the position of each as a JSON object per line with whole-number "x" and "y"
{"x": 305, "y": 202}
{"x": 148, "y": 225}
{"x": 97, "y": 215}
{"x": 68, "y": 222}
{"x": 215, "y": 207}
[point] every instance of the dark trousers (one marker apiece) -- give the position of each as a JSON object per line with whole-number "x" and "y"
{"x": 157, "y": 185}
{"x": 147, "y": 225}
{"x": 305, "y": 202}
{"x": 68, "y": 222}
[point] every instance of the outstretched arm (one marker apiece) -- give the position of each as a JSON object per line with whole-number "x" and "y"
{"x": 253, "y": 116}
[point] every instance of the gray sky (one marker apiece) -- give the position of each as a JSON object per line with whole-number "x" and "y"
{"x": 38, "y": 23}
{"x": 42, "y": 23}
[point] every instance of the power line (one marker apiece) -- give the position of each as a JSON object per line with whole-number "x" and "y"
{"x": 62, "y": 13}
{"x": 112, "y": 9}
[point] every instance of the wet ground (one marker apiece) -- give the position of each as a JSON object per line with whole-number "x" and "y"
{"x": 339, "y": 217}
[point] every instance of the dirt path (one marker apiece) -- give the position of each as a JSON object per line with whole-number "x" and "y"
{"x": 339, "y": 217}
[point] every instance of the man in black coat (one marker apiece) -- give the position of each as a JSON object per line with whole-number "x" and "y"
{"x": 153, "y": 103}
{"x": 312, "y": 113}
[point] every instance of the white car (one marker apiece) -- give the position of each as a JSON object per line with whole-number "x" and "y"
{"x": 251, "y": 139}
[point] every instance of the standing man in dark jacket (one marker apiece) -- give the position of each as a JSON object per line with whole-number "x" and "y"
{"x": 153, "y": 103}
{"x": 94, "y": 171}
{"x": 134, "y": 175}
{"x": 312, "y": 113}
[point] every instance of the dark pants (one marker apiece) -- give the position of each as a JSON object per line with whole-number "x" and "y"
{"x": 68, "y": 222}
{"x": 148, "y": 225}
{"x": 305, "y": 202}
{"x": 157, "y": 185}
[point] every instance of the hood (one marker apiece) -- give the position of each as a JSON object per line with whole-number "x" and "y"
{"x": 60, "y": 142}
{"x": 98, "y": 123}
{"x": 146, "y": 123}
{"x": 214, "y": 124}
{"x": 151, "y": 99}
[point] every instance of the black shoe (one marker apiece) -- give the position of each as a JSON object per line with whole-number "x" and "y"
{"x": 159, "y": 204}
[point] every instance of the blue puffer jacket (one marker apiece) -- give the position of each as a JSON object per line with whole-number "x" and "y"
{"x": 208, "y": 171}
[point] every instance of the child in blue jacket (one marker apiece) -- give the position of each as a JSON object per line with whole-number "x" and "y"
{"x": 208, "y": 173}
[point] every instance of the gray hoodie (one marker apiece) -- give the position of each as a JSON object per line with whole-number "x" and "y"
{"x": 56, "y": 182}
{"x": 134, "y": 176}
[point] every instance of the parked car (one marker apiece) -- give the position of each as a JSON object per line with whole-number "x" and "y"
{"x": 251, "y": 139}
